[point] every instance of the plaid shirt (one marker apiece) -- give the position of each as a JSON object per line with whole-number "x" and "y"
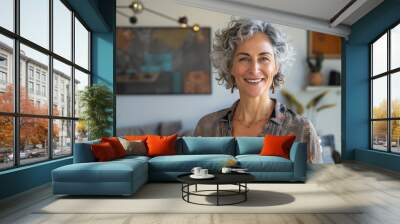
{"x": 283, "y": 121}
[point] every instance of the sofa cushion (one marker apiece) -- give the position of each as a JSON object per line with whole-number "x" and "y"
{"x": 134, "y": 147}
{"x": 112, "y": 171}
{"x": 257, "y": 163}
{"x": 135, "y": 137}
{"x": 161, "y": 145}
{"x": 103, "y": 151}
{"x": 277, "y": 145}
{"x": 185, "y": 163}
{"x": 116, "y": 145}
{"x": 207, "y": 145}
{"x": 249, "y": 145}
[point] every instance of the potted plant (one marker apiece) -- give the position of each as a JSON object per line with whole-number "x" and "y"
{"x": 315, "y": 77}
{"x": 312, "y": 106}
{"x": 96, "y": 102}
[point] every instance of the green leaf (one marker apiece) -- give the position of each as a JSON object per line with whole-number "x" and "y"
{"x": 314, "y": 101}
{"x": 326, "y": 106}
{"x": 292, "y": 101}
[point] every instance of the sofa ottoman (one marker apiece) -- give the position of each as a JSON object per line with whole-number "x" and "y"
{"x": 118, "y": 177}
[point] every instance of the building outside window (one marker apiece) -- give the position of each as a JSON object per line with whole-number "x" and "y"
{"x": 43, "y": 77}
{"x": 30, "y": 72}
{"x": 3, "y": 71}
{"x": 3, "y": 78}
{"x": 30, "y": 87}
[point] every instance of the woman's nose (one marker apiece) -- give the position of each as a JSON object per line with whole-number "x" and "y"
{"x": 254, "y": 67}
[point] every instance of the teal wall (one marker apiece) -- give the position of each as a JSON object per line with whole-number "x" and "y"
{"x": 24, "y": 178}
{"x": 99, "y": 15}
{"x": 355, "y": 98}
{"x": 103, "y": 53}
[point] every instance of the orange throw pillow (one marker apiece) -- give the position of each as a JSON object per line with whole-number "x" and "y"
{"x": 116, "y": 145}
{"x": 277, "y": 145}
{"x": 103, "y": 152}
{"x": 161, "y": 145}
{"x": 135, "y": 137}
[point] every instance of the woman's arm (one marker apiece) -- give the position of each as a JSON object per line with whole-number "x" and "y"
{"x": 314, "y": 153}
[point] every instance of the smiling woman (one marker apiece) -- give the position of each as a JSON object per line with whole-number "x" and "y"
{"x": 252, "y": 56}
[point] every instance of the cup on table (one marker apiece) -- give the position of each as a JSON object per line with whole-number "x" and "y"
{"x": 226, "y": 170}
{"x": 203, "y": 172}
{"x": 196, "y": 171}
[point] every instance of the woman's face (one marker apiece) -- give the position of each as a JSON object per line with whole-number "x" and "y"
{"x": 254, "y": 66}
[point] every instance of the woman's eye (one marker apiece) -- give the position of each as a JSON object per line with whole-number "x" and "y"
{"x": 265, "y": 59}
{"x": 244, "y": 59}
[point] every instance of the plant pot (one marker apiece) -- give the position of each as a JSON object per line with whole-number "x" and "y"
{"x": 315, "y": 79}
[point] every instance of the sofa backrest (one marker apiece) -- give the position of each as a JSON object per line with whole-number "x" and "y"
{"x": 83, "y": 153}
{"x": 206, "y": 145}
{"x": 249, "y": 145}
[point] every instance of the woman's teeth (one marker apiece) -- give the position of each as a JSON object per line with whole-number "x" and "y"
{"x": 253, "y": 81}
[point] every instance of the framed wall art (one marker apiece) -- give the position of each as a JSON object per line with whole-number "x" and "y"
{"x": 328, "y": 45}
{"x": 163, "y": 60}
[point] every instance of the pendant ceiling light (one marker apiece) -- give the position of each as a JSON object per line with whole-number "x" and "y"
{"x": 137, "y": 7}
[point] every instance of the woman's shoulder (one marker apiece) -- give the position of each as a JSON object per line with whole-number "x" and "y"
{"x": 290, "y": 116}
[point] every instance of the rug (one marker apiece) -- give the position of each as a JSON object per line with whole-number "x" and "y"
{"x": 167, "y": 198}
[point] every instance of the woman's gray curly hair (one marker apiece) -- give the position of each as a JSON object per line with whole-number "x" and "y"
{"x": 226, "y": 41}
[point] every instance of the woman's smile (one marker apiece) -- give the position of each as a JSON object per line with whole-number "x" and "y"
{"x": 253, "y": 81}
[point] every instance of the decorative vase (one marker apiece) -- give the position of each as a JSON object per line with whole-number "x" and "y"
{"x": 316, "y": 79}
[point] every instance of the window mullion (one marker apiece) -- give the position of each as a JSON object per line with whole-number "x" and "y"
{"x": 16, "y": 69}
{"x": 73, "y": 82}
{"x": 50, "y": 87}
{"x": 389, "y": 106}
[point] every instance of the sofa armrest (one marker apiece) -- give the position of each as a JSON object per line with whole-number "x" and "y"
{"x": 298, "y": 155}
{"x": 83, "y": 152}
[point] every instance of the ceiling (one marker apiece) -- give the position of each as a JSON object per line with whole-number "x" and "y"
{"x": 328, "y": 16}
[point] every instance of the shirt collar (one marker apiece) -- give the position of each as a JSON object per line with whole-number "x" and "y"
{"x": 278, "y": 115}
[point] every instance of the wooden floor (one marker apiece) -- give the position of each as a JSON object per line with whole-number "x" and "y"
{"x": 378, "y": 188}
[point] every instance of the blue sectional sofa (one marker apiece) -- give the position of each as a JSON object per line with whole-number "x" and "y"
{"x": 125, "y": 176}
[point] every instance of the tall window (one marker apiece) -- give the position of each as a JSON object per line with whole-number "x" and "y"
{"x": 35, "y": 53}
{"x": 385, "y": 92}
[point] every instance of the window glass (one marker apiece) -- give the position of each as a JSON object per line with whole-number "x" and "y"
{"x": 33, "y": 140}
{"x": 62, "y": 29}
{"x": 81, "y": 45}
{"x": 6, "y": 74}
{"x": 379, "y": 135}
{"x": 34, "y": 21}
{"x": 6, "y": 142}
{"x": 81, "y": 131}
{"x": 379, "y": 98}
{"x": 81, "y": 81}
{"x": 395, "y": 136}
{"x": 7, "y": 14}
{"x": 379, "y": 56}
{"x": 62, "y": 91}
{"x": 32, "y": 58}
{"x": 62, "y": 138}
{"x": 395, "y": 47}
{"x": 395, "y": 95}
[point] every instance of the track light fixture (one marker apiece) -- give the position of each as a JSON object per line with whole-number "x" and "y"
{"x": 137, "y": 7}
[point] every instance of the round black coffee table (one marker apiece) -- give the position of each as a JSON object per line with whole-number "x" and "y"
{"x": 238, "y": 179}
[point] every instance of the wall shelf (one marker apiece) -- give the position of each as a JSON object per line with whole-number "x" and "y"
{"x": 323, "y": 88}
